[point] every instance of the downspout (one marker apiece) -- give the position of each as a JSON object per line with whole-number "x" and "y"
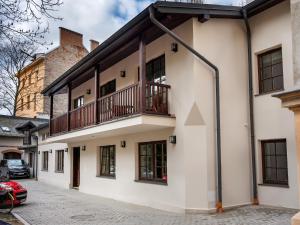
{"x": 217, "y": 93}
{"x": 251, "y": 108}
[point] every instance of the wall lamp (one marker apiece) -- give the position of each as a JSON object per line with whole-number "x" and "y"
{"x": 83, "y": 148}
{"x": 172, "y": 139}
{"x": 123, "y": 144}
{"x": 88, "y": 91}
{"x": 66, "y": 149}
{"x": 123, "y": 73}
{"x": 174, "y": 47}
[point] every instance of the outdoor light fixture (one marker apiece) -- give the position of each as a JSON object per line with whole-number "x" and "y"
{"x": 174, "y": 47}
{"x": 123, "y": 73}
{"x": 66, "y": 149}
{"x": 50, "y": 151}
{"x": 88, "y": 91}
{"x": 123, "y": 144}
{"x": 83, "y": 148}
{"x": 172, "y": 139}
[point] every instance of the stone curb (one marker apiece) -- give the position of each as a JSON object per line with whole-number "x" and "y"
{"x": 20, "y": 218}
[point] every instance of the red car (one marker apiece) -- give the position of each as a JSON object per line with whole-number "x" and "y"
{"x": 18, "y": 191}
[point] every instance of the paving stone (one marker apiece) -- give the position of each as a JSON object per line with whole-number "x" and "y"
{"x": 50, "y": 205}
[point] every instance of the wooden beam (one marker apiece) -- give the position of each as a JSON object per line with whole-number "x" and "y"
{"x": 97, "y": 82}
{"x": 142, "y": 66}
{"x": 51, "y": 114}
{"x": 69, "y": 105}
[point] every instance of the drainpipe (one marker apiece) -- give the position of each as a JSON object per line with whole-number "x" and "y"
{"x": 252, "y": 128}
{"x": 217, "y": 93}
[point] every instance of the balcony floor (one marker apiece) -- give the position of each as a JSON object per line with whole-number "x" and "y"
{"x": 131, "y": 125}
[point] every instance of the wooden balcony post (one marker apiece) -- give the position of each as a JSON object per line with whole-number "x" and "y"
{"x": 142, "y": 65}
{"x": 97, "y": 82}
{"x": 51, "y": 114}
{"x": 69, "y": 106}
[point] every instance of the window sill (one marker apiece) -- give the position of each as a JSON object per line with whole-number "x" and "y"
{"x": 44, "y": 170}
{"x": 268, "y": 93}
{"x": 59, "y": 171}
{"x": 275, "y": 185}
{"x": 151, "y": 182}
{"x": 106, "y": 177}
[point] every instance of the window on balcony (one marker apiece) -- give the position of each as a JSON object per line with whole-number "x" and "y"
{"x": 155, "y": 70}
{"x": 45, "y": 160}
{"x": 274, "y": 161}
{"x": 78, "y": 102}
{"x": 108, "y": 88}
{"x": 108, "y": 161}
{"x": 270, "y": 71}
{"x": 59, "y": 161}
{"x": 153, "y": 161}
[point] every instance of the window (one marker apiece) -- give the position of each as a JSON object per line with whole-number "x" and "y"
{"x": 27, "y": 138}
{"x": 153, "y": 161}
{"x": 155, "y": 70}
{"x": 22, "y": 104}
{"x": 78, "y": 102}
{"x": 45, "y": 161}
{"x": 30, "y": 159}
{"x": 274, "y": 161}
{"x": 28, "y": 101}
{"x": 35, "y": 101}
{"x": 59, "y": 159}
{"x": 108, "y": 88}
{"x": 30, "y": 79}
{"x": 108, "y": 161}
{"x": 270, "y": 71}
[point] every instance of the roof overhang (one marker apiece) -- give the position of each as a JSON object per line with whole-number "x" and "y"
{"x": 125, "y": 41}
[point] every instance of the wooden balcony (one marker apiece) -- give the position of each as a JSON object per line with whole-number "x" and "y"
{"x": 123, "y": 103}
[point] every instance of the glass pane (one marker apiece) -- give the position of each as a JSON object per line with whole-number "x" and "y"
{"x": 267, "y": 72}
{"x": 143, "y": 172}
{"x": 270, "y": 161}
{"x": 281, "y": 148}
{"x": 277, "y": 70}
{"x": 282, "y": 175}
{"x": 267, "y": 85}
{"x": 278, "y": 83}
{"x": 266, "y": 60}
{"x": 281, "y": 162}
{"x": 143, "y": 161}
{"x": 276, "y": 57}
{"x": 270, "y": 174}
{"x": 269, "y": 148}
{"x": 143, "y": 150}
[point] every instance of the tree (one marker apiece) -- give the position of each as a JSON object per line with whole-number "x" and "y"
{"x": 26, "y": 20}
{"x": 12, "y": 60}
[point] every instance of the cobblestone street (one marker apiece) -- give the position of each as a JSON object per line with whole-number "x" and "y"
{"x": 54, "y": 206}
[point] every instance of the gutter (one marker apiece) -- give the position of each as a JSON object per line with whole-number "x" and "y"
{"x": 217, "y": 93}
{"x": 251, "y": 108}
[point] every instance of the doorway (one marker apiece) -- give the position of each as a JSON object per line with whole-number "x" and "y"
{"x": 76, "y": 167}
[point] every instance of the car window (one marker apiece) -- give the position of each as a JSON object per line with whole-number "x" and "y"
{"x": 15, "y": 162}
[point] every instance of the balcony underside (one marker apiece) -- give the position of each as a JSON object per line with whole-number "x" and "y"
{"x": 129, "y": 125}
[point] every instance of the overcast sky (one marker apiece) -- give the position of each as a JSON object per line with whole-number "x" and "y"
{"x": 98, "y": 19}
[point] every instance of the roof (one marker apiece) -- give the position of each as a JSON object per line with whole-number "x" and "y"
{"x": 130, "y": 31}
{"x": 15, "y": 125}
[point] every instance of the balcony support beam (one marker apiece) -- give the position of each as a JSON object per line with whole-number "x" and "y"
{"x": 51, "y": 114}
{"x": 142, "y": 66}
{"x": 97, "y": 83}
{"x": 69, "y": 106}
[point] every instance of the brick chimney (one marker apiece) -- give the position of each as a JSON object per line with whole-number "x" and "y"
{"x": 93, "y": 44}
{"x": 295, "y": 17}
{"x": 69, "y": 37}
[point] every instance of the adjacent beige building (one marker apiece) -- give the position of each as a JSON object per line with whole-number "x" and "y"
{"x": 141, "y": 124}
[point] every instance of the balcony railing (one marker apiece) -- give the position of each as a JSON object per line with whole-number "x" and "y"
{"x": 122, "y": 103}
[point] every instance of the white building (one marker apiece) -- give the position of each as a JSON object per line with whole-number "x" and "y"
{"x": 150, "y": 134}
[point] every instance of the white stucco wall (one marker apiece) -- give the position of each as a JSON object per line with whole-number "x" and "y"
{"x": 272, "y": 29}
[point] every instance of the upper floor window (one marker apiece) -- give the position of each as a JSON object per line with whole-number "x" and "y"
{"x": 108, "y": 161}
{"x": 153, "y": 161}
{"x": 30, "y": 79}
{"x": 155, "y": 70}
{"x": 35, "y": 101}
{"x": 28, "y": 101}
{"x": 108, "y": 88}
{"x": 22, "y": 104}
{"x": 78, "y": 102}
{"x": 27, "y": 138}
{"x": 274, "y": 161}
{"x": 270, "y": 71}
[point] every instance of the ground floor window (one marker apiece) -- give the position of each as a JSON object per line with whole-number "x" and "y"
{"x": 59, "y": 161}
{"x": 153, "y": 161}
{"x": 274, "y": 162}
{"x": 108, "y": 161}
{"x": 45, "y": 160}
{"x": 30, "y": 159}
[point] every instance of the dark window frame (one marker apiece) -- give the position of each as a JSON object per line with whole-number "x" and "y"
{"x": 164, "y": 167}
{"x": 150, "y": 63}
{"x": 45, "y": 160}
{"x": 108, "y": 88}
{"x": 59, "y": 161}
{"x": 107, "y": 172}
{"x": 27, "y": 137}
{"x": 261, "y": 68}
{"x": 78, "y": 102}
{"x": 276, "y": 181}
